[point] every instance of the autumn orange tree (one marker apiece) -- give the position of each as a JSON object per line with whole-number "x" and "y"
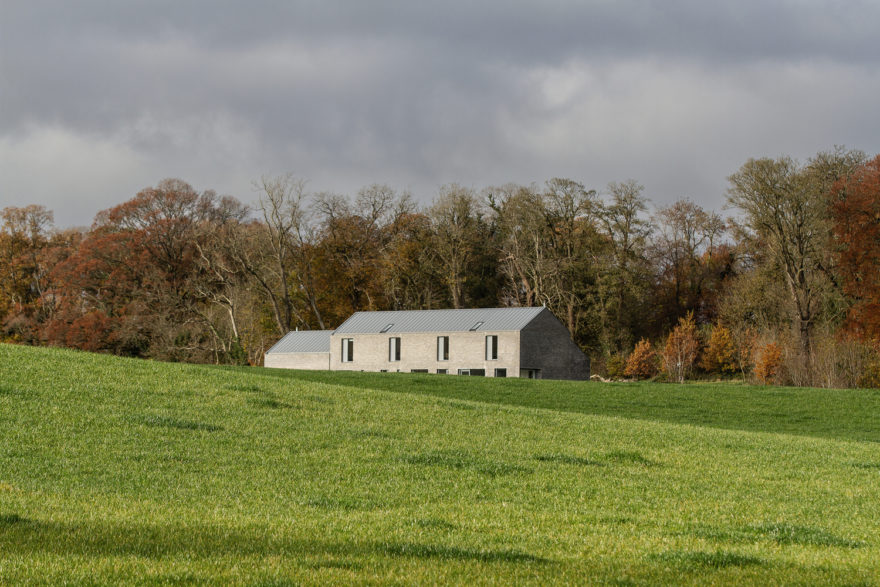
{"x": 720, "y": 354}
{"x": 768, "y": 363}
{"x": 642, "y": 362}
{"x": 682, "y": 347}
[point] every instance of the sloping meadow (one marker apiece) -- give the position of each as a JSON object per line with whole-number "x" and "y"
{"x": 124, "y": 471}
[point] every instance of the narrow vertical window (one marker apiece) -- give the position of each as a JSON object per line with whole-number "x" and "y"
{"x": 442, "y": 348}
{"x": 394, "y": 348}
{"x": 347, "y": 350}
{"x": 491, "y": 347}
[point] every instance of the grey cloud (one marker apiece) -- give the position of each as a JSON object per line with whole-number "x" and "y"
{"x": 674, "y": 93}
{"x": 523, "y": 30}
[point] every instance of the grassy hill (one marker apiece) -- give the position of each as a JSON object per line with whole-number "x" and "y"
{"x": 124, "y": 471}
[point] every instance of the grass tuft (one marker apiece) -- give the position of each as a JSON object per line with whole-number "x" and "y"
{"x": 788, "y": 534}
{"x": 434, "y": 523}
{"x": 460, "y": 460}
{"x": 347, "y": 504}
{"x": 344, "y": 564}
{"x": 370, "y": 434}
{"x": 245, "y": 387}
{"x": 867, "y": 465}
{"x": 778, "y": 532}
{"x": 10, "y": 391}
{"x": 568, "y": 460}
{"x": 716, "y": 560}
{"x": 449, "y": 459}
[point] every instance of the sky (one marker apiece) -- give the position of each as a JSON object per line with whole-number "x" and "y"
{"x": 100, "y": 99}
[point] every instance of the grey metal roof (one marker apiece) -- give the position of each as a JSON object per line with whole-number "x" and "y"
{"x": 303, "y": 341}
{"x": 493, "y": 320}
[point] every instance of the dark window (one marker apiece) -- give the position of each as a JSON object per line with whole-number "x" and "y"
{"x": 472, "y": 372}
{"x": 442, "y": 348}
{"x": 419, "y": 371}
{"x": 500, "y": 372}
{"x": 492, "y": 347}
{"x": 441, "y": 371}
{"x": 394, "y": 348}
{"x": 347, "y": 350}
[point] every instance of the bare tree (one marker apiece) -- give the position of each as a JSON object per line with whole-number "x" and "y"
{"x": 627, "y": 232}
{"x": 786, "y": 206}
{"x": 455, "y": 219}
{"x": 289, "y": 235}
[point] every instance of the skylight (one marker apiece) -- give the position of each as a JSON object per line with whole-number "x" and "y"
{"x": 387, "y": 328}
{"x": 476, "y": 326}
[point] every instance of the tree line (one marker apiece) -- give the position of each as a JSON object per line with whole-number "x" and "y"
{"x": 787, "y": 290}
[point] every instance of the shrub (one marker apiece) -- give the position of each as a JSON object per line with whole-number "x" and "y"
{"x": 720, "y": 354}
{"x": 642, "y": 363}
{"x": 871, "y": 376}
{"x": 768, "y": 363}
{"x": 839, "y": 360}
{"x": 745, "y": 341}
{"x": 681, "y": 349}
{"x": 615, "y": 366}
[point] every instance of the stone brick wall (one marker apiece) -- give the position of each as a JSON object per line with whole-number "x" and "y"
{"x": 467, "y": 350}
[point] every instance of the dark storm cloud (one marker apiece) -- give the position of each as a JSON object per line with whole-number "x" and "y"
{"x": 99, "y": 99}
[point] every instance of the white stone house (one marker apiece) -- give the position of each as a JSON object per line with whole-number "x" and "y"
{"x": 301, "y": 349}
{"x": 492, "y": 342}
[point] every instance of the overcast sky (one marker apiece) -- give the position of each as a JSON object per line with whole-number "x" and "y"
{"x": 99, "y": 99}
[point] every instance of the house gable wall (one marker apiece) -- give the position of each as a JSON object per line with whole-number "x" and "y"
{"x": 547, "y": 345}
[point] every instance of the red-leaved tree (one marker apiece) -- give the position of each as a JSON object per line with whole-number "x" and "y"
{"x": 856, "y": 208}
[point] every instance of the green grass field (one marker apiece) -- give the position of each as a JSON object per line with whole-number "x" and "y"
{"x": 126, "y": 471}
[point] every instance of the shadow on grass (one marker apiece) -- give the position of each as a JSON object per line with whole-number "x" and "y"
{"x": 11, "y": 519}
{"x": 624, "y": 457}
{"x": 269, "y": 403}
{"x": 825, "y": 413}
{"x": 426, "y": 551}
{"x": 611, "y": 458}
{"x": 169, "y": 422}
{"x": 24, "y": 536}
